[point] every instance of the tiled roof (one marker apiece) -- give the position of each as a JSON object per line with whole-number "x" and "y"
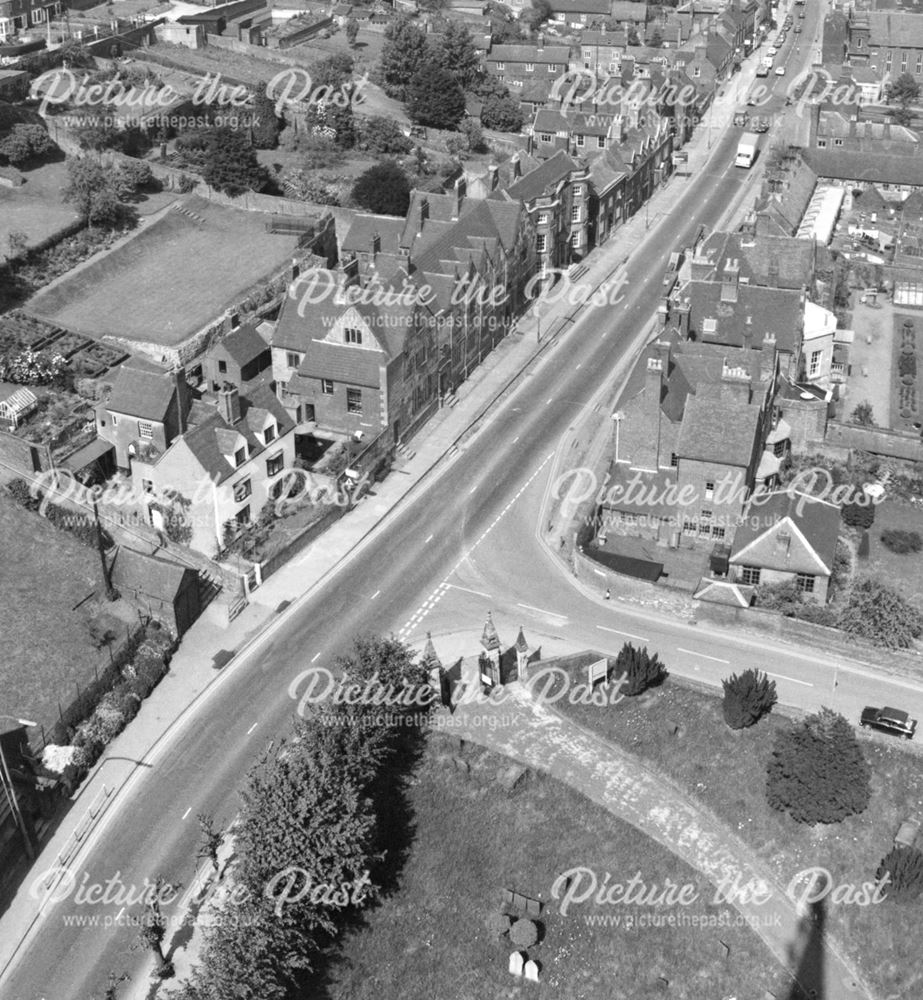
{"x": 142, "y": 390}
{"x": 817, "y": 521}
{"x": 148, "y": 574}
{"x": 719, "y": 429}
{"x": 879, "y": 168}
{"x": 342, "y": 363}
{"x": 628, "y": 10}
{"x": 556, "y": 54}
{"x": 758, "y": 310}
{"x": 581, "y": 6}
{"x": 779, "y": 261}
{"x": 366, "y": 226}
{"x": 534, "y": 184}
{"x": 243, "y": 345}
{"x": 890, "y": 28}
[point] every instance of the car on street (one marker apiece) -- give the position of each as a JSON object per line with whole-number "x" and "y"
{"x": 780, "y": 71}
{"x": 888, "y": 720}
{"x": 797, "y": 29}
{"x": 771, "y": 51}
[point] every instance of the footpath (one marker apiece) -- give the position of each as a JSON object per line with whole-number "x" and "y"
{"x": 192, "y": 669}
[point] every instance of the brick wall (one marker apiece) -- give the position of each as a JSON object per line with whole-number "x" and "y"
{"x": 21, "y": 459}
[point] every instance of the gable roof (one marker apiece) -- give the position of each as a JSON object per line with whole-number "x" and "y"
{"x": 779, "y": 261}
{"x": 243, "y": 345}
{"x": 788, "y": 531}
{"x": 757, "y": 310}
{"x": 142, "y": 390}
{"x": 719, "y": 429}
{"x": 535, "y": 183}
{"x": 147, "y": 574}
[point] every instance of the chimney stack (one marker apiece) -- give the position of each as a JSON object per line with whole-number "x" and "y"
{"x": 179, "y": 381}
{"x": 768, "y": 363}
{"x": 516, "y": 165}
{"x": 493, "y": 177}
{"x": 735, "y": 382}
{"x": 460, "y": 191}
{"x": 229, "y": 403}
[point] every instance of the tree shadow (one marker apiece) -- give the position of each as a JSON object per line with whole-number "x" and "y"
{"x": 809, "y": 977}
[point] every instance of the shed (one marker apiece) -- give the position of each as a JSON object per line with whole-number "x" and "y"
{"x": 167, "y": 590}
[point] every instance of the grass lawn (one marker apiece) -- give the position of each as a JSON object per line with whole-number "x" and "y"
{"x": 472, "y": 839}
{"x": 36, "y": 208}
{"x": 122, "y": 293}
{"x": 44, "y": 574}
{"x": 726, "y": 770}
{"x": 903, "y": 572}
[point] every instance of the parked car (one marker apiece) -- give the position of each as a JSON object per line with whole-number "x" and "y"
{"x": 771, "y": 51}
{"x": 888, "y": 720}
{"x": 907, "y": 834}
{"x": 797, "y": 29}
{"x": 780, "y": 71}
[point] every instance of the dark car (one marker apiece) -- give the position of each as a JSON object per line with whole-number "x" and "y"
{"x": 889, "y": 720}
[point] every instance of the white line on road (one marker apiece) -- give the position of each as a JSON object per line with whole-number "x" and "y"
{"x": 315, "y": 656}
{"x": 579, "y": 367}
{"x": 119, "y": 914}
{"x": 704, "y": 656}
{"x": 428, "y": 540}
{"x": 542, "y": 611}
{"x": 782, "y": 677}
{"x": 515, "y": 439}
{"x": 468, "y": 590}
{"x": 640, "y": 638}
{"x": 187, "y": 812}
{"x": 548, "y": 400}
{"x": 250, "y": 730}
{"x": 377, "y": 592}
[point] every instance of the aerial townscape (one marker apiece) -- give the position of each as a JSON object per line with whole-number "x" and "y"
{"x": 461, "y": 499}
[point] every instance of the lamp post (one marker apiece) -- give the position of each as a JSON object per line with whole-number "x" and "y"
{"x": 11, "y": 791}
{"x": 618, "y": 416}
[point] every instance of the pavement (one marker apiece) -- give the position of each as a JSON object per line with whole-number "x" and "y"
{"x": 193, "y": 673}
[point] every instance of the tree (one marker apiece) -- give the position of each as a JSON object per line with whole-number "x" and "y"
{"x": 459, "y": 55}
{"x": 474, "y": 136}
{"x": 404, "y": 52}
{"x": 211, "y": 841}
{"x": 265, "y": 126}
{"x": 434, "y": 98}
{"x": 113, "y": 984}
{"x": 656, "y": 39}
{"x": 903, "y": 92}
{"x": 540, "y": 12}
{"x": 91, "y": 190}
{"x": 632, "y": 37}
{"x": 18, "y": 243}
{"x": 641, "y": 670}
{"x": 876, "y": 612}
{"x": 378, "y": 134}
{"x": 154, "y": 927}
{"x": 334, "y": 71}
{"x": 862, "y": 414}
{"x": 129, "y": 176}
{"x": 25, "y": 143}
{"x": 904, "y": 868}
{"x": 352, "y": 31}
{"x": 747, "y": 698}
{"x": 230, "y": 164}
{"x": 859, "y": 515}
{"x": 524, "y": 933}
{"x": 383, "y": 189}
{"x": 502, "y": 113}
{"x": 817, "y": 772}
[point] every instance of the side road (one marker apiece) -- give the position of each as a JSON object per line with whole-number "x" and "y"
{"x": 540, "y": 737}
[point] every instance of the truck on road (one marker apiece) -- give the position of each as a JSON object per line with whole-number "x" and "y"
{"x": 747, "y": 149}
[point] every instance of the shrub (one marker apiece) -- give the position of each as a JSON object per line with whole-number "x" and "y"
{"x": 19, "y": 490}
{"x": 383, "y": 189}
{"x": 747, "y": 698}
{"x": 900, "y": 541}
{"x": 817, "y": 772}
{"x": 879, "y": 614}
{"x": 642, "y": 669}
{"x": 858, "y": 515}
{"x": 904, "y": 868}
{"x": 524, "y": 933}
{"x": 498, "y": 924}
{"x": 186, "y": 183}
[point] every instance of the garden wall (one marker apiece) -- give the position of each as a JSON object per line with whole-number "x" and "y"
{"x": 876, "y": 441}
{"x": 21, "y": 459}
{"x": 631, "y": 589}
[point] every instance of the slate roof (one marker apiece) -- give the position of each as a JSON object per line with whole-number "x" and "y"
{"x": 890, "y": 28}
{"x": 879, "y": 168}
{"x": 581, "y": 6}
{"x": 152, "y": 575}
{"x": 243, "y": 345}
{"x": 142, "y": 390}
{"x": 817, "y": 521}
{"x": 342, "y": 363}
{"x": 365, "y": 227}
{"x": 761, "y": 310}
{"x": 555, "y": 54}
{"x": 793, "y": 258}
{"x": 535, "y": 183}
{"x": 718, "y": 429}
{"x": 628, "y": 10}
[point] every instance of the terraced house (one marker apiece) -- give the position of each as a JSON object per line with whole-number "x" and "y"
{"x": 19, "y": 15}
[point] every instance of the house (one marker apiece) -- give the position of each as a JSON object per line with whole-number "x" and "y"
{"x": 601, "y": 52}
{"x": 691, "y": 428}
{"x": 819, "y": 345}
{"x": 163, "y": 588}
{"x": 517, "y": 65}
{"x": 581, "y": 13}
{"x": 146, "y": 408}
{"x": 240, "y": 357}
{"x": 628, "y": 11}
{"x": 787, "y": 189}
{"x": 222, "y": 468}
{"x": 787, "y": 537}
{"x": 771, "y": 261}
{"x": 20, "y": 15}
{"x": 887, "y": 41}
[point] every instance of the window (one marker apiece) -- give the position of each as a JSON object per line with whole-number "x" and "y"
{"x": 587, "y": 53}
{"x": 580, "y": 140}
{"x": 705, "y": 515}
{"x": 888, "y": 63}
{"x": 243, "y": 516}
{"x": 352, "y": 336}
{"x": 540, "y": 243}
{"x": 821, "y": 143}
{"x": 575, "y": 240}
{"x": 222, "y": 367}
{"x": 904, "y": 63}
{"x": 326, "y": 386}
{"x": 717, "y": 532}
{"x": 779, "y": 448}
{"x": 709, "y": 491}
{"x": 145, "y": 429}
{"x": 545, "y": 136}
{"x": 552, "y": 67}
{"x": 689, "y": 527}
{"x": 38, "y": 16}
{"x": 269, "y": 434}
{"x": 696, "y": 72}
{"x": 242, "y": 490}
{"x": 750, "y": 575}
{"x": 919, "y": 65}
{"x": 275, "y": 491}
{"x": 115, "y": 419}
{"x": 814, "y": 364}
{"x": 240, "y": 456}
{"x": 274, "y": 464}
{"x": 292, "y": 359}
{"x": 575, "y": 213}
{"x": 354, "y": 401}
{"x": 147, "y": 485}
{"x": 542, "y": 219}
{"x": 501, "y": 65}
{"x": 600, "y": 142}
{"x": 530, "y": 67}
{"x": 578, "y": 193}
{"x": 674, "y": 460}
{"x": 805, "y": 583}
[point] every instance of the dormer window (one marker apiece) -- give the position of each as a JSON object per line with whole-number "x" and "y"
{"x": 352, "y": 335}
{"x": 269, "y": 433}
{"x": 240, "y": 456}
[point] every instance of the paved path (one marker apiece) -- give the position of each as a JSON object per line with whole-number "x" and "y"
{"x": 541, "y": 738}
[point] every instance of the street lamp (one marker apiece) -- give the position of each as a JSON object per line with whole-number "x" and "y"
{"x": 618, "y": 417}
{"x": 11, "y": 791}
